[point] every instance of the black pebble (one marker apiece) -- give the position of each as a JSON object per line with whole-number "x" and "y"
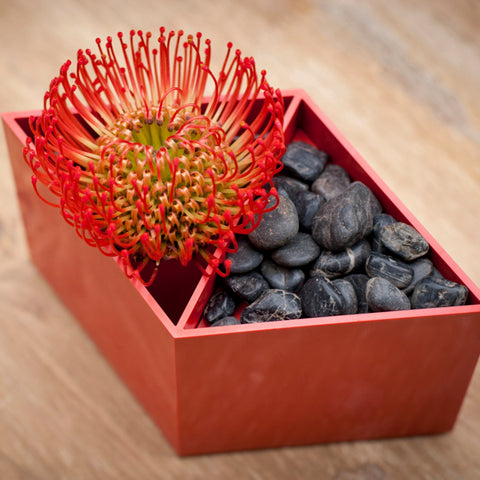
{"x": 304, "y": 161}
{"x": 246, "y": 258}
{"x": 220, "y": 305}
{"x": 422, "y": 268}
{"x": 290, "y": 279}
{"x": 226, "y": 321}
{"x": 271, "y": 306}
{"x": 307, "y": 204}
{"x": 291, "y": 186}
{"x": 438, "y": 292}
{"x": 320, "y": 298}
{"x": 359, "y": 283}
{"x": 248, "y": 286}
{"x": 277, "y": 227}
{"x": 383, "y": 296}
{"x": 345, "y": 219}
{"x": 403, "y": 240}
{"x": 378, "y": 222}
{"x": 350, "y": 300}
{"x": 395, "y": 271}
{"x": 300, "y": 251}
{"x": 332, "y": 181}
{"x": 336, "y": 264}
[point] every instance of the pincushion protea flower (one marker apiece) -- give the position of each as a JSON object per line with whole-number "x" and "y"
{"x": 143, "y": 166}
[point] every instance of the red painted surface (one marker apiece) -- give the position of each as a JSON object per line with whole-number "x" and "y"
{"x": 262, "y": 385}
{"x": 122, "y": 318}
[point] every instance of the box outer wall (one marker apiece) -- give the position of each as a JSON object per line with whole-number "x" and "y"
{"x": 126, "y": 324}
{"x": 260, "y": 386}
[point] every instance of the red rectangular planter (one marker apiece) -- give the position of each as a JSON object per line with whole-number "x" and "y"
{"x": 215, "y": 389}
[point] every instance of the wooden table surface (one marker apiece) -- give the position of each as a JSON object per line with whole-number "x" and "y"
{"x": 401, "y": 80}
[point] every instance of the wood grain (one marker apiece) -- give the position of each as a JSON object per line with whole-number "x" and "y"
{"x": 400, "y": 79}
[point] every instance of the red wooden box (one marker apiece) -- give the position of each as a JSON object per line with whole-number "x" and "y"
{"x": 261, "y": 385}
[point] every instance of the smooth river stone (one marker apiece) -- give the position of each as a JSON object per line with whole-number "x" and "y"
{"x": 220, "y": 305}
{"x": 272, "y": 305}
{"x": 246, "y": 258}
{"x": 299, "y": 252}
{"x": 437, "y": 292}
{"x": 403, "y": 240}
{"x": 277, "y": 227}
{"x": 359, "y": 282}
{"x": 383, "y": 296}
{"x": 336, "y": 264}
{"x": 307, "y": 204}
{"x": 350, "y": 300}
{"x": 422, "y": 268}
{"x": 248, "y": 286}
{"x": 290, "y": 186}
{"x": 290, "y": 279}
{"x": 345, "y": 219}
{"x": 332, "y": 181}
{"x": 395, "y": 271}
{"x": 304, "y": 161}
{"x": 226, "y": 321}
{"x": 378, "y": 222}
{"x": 321, "y": 297}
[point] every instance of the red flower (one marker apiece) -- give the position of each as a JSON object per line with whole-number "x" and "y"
{"x": 143, "y": 166}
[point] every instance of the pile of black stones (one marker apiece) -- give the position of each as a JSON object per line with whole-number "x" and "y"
{"x": 327, "y": 249}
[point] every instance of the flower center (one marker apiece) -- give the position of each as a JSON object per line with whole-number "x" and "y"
{"x": 166, "y": 174}
{"x": 148, "y": 127}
